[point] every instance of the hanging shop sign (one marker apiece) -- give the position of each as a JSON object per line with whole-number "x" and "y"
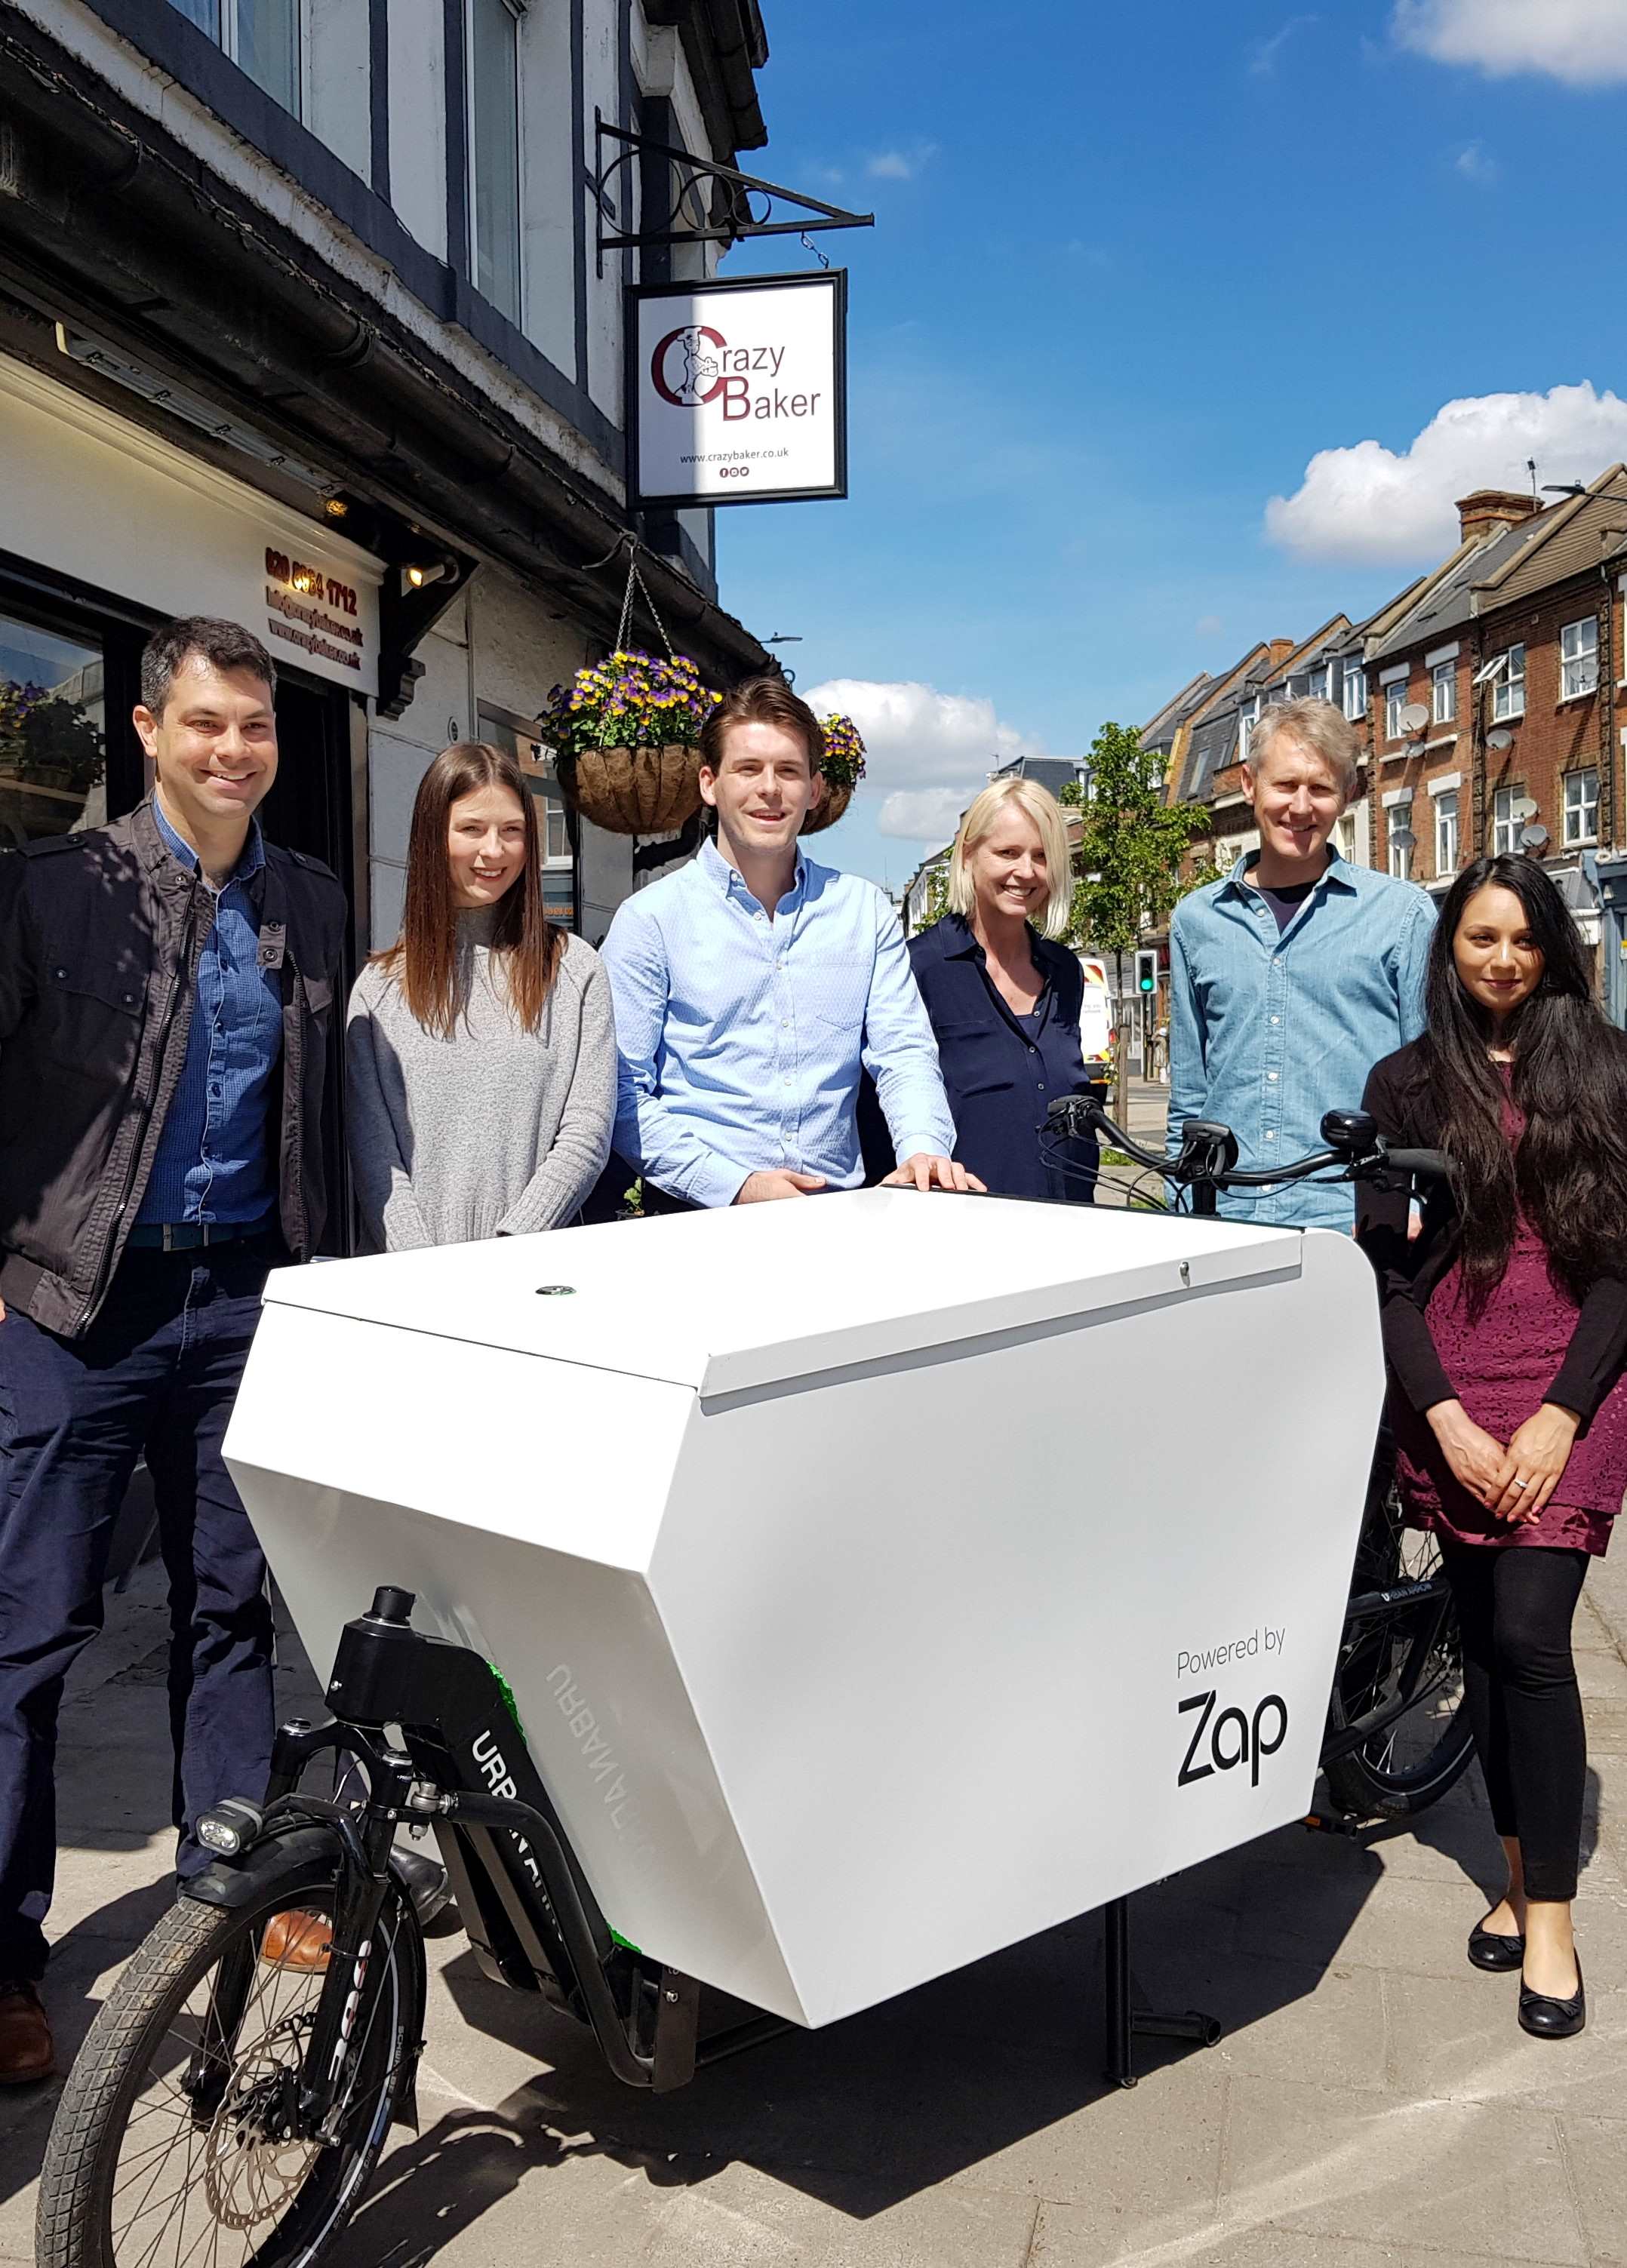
{"x": 737, "y": 391}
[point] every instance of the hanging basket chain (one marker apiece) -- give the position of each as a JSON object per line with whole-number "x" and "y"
{"x": 635, "y": 581}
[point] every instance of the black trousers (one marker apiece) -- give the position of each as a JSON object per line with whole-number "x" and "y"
{"x": 1515, "y": 1605}
{"x": 157, "y": 1372}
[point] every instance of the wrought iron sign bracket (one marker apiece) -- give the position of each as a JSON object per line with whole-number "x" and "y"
{"x": 693, "y": 216}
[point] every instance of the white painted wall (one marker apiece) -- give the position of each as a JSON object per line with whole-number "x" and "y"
{"x": 338, "y": 76}
{"x": 418, "y": 119}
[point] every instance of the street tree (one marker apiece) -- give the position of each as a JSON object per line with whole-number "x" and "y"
{"x": 1128, "y": 874}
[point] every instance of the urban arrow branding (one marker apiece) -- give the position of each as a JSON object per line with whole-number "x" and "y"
{"x": 695, "y": 365}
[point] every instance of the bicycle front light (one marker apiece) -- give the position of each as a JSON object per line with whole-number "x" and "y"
{"x": 229, "y": 1828}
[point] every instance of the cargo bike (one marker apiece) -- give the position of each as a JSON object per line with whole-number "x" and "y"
{"x": 787, "y": 1733}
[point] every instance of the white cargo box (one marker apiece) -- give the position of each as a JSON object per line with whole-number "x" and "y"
{"x": 880, "y": 1578}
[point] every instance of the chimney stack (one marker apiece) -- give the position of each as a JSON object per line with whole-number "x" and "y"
{"x": 1493, "y": 512}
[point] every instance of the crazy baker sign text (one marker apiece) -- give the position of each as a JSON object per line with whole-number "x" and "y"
{"x": 738, "y": 390}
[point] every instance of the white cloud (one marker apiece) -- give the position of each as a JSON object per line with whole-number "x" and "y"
{"x": 1583, "y": 42}
{"x": 1476, "y": 165}
{"x": 1263, "y": 54}
{"x": 928, "y": 753}
{"x": 1380, "y": 507}
{"x": 901, "y": 165}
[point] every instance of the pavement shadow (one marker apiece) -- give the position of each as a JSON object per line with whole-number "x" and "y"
{"x": 872, "y": 2111}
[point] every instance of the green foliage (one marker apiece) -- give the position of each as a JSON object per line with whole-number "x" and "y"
{"x": 46, "y": 741}
{"x": 938, "y": 894}
{"x": 1129, "y": 854}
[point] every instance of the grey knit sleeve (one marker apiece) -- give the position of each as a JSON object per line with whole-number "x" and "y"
{"x": 563, "y": 1181}
{"x": 390, "y": 1213}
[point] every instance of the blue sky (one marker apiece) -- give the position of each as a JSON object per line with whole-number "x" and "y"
{"x": 1133, "y": 269}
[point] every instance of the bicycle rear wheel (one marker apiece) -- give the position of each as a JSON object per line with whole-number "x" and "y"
{"x": 177, "y": 2136}
{"x": 1409, "y": 1762}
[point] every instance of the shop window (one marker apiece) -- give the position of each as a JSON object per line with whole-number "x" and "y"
{"x": 1581, "y": 807}
{"x": 1447, "y": 833}
{"x": 1578, "y": 659}
{"x": 53, "y": 738}
{"x": 260, "y": 36}
{"x": 1443, "y": 693}
{"x": 494, "y": 151}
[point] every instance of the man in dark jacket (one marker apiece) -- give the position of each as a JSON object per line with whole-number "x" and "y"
{"x": 167, "y": 985}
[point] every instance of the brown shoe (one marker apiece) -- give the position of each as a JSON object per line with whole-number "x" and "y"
{"x": 297, "y": 1940}
{"x": 26, "y": 2051}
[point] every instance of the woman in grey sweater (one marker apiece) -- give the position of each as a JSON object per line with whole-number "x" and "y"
{"x": 479, "y": 1049}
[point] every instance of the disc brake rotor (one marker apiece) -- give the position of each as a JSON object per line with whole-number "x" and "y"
{"x": 252, "y": 2166}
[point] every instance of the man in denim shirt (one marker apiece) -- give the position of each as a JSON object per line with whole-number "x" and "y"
{"x": 1289, "y": 979}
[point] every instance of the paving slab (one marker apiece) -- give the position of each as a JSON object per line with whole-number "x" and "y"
{"x": 1596, "y": 2154}
{"x": 1478, "y": 2175}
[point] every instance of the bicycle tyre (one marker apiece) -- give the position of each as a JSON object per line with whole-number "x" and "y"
{"x": 74, "y": 2223}
{"x": 1357, "y": 1787}
{"x": 1392, "y": 1777}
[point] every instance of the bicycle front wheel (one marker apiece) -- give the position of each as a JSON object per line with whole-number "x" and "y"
{"x": 178, "y": 2136}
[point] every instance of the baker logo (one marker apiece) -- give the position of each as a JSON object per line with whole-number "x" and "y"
{"x": 695, "y": 365}
{"x": 682, "y": 371}
{"x": 1233, "y": 1739}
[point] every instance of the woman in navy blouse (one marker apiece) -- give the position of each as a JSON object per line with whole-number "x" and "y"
{"x": 1003, "y": 997}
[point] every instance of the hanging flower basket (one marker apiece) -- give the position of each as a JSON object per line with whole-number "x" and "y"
{"x": 844, "y": 767}
{"x": 634, "y": 790}
{"x": 625, "y": 735}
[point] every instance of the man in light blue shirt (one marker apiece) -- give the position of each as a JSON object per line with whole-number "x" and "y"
{"x": 753, "y": 986}
{"x": 1290, "y": 979}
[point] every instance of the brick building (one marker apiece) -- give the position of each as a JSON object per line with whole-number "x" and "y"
{"x": 1498, "y": 709}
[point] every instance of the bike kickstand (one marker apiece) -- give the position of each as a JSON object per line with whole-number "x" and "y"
{"x": 1125, "y": 2023}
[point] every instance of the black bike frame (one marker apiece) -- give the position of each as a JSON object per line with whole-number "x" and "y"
{"x": 462, "y": 1766}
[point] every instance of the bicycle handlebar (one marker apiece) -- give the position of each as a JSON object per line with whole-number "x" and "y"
{"x": 1364, "y": 1156}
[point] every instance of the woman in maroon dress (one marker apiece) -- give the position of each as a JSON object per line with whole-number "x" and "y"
{"x": 1506, "y": 1332}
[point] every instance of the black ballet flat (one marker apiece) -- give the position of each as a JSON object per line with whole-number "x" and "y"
{"x": 1548, "y": 2019}
{"x": 1488, "y": 1951}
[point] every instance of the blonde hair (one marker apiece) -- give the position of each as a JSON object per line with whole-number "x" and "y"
{"x": 1320, "y": 728}
{"x": 982, "y": 816}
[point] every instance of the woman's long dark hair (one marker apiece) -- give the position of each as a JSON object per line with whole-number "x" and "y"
{"x": 425, "y": 957}
{"x": 1569, "y": 1173}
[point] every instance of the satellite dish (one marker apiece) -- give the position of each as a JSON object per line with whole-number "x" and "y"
{"x": 1414, "y": 716}
{"x": 1402, "y": 838}
{"x": 1500, "y": 740}
{"x": 1532, "y": 838}
{"x": 1524, "y": 806}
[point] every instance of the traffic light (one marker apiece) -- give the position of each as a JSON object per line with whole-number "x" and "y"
{"x": 1146, "y": 969}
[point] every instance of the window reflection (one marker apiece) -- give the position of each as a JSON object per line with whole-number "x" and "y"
{"x": 52, "y": 741}
{"x": 535, "y": 759}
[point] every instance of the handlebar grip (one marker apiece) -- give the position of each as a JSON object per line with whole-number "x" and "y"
{"x": 1428, "y": 1164}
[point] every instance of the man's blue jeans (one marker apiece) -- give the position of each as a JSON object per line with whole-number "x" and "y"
{"x": 155, "y": 1373}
